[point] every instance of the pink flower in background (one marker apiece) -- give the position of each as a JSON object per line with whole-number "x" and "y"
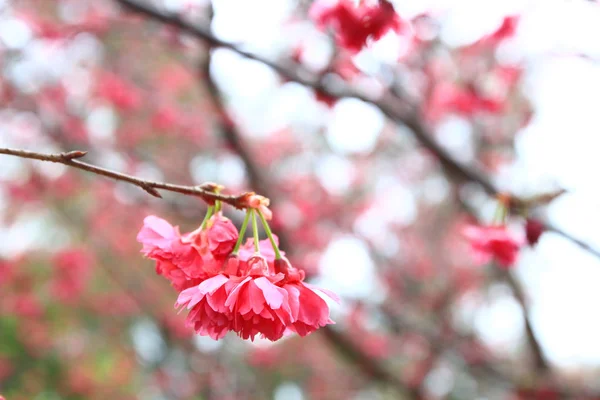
{"x": 73, "y": 269}
{"x": 533, "y": 231}
{"x": 166, "y": 118}
{"x": 122, "y": 94}
{"x": 450, "y": 98}
{"x": 25, "y": 305}
{"x": 494, "y": 243}
{"x": 506, "y": 30}
{"x": 355, "y": 25}
{"x": 6, "y": 272}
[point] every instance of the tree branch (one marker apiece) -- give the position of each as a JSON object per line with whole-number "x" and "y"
{"x": 398, "y": 111}
{"x": 540, "y": 362}
{"x": 204, "y": 191}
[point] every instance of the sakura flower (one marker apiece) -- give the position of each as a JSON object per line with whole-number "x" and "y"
{"x": 309, "y": 310}
{"x": 257, "y": 302}
{"x": 251, "y": 291}
{"x": 248, "y": 306}
{"x": 494, "y": 243}
{"x": 208, "y": 316}
{"x": 355, "y": 25}
{"x": 257, "y": 305}
{"x": 177, "y": 261}
{"x": 218, "y": 238}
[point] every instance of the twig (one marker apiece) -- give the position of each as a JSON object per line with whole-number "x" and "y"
{"x": 367, "y": 364}
{"x": 398, "y": 111}
{"x": 540, "y": 361}
{"x": 204, "y": 191}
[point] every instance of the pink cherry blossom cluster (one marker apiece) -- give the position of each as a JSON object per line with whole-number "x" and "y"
{"x": 498, "y": 243}
{"x": 354, "y": 25}
{"x": 248, "y": 288}
{"x": 494, "y": 242}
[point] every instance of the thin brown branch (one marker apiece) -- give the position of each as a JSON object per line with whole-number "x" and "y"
{"x": 540, "y": 362}
{"x": 71, "y": 159}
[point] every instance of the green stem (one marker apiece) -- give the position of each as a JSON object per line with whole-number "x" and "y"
{"x": 209, "y": 214}
{"x": 500, "y": 214}
{"x": 270, "y": 235}
{"x": 255, "y": 231}
{"x": 218, "y": 206}
{"x": 241, "y": 235}
{"x": 504, "y": 214}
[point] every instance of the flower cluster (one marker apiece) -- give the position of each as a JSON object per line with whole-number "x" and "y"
{"x": 248, "y": 288}
{"x": 354, "y": 25}
{"x": 496, "y": 242}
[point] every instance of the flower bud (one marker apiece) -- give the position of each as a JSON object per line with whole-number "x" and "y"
{"x": 533, "y": 230}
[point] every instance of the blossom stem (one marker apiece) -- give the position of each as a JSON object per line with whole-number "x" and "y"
{"x": 242, "y": 233}
{"x": 218, "y": 206}
{"x": 270, "y": 235}
{"x": 209, "y": 214}
{"x": 500, "y": 214}
{"x": 255, "y": 231}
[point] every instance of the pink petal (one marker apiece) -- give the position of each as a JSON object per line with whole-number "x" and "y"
{"x": 160, "y": 226}
{"x": 233, "y": 296}
{"x": 211, "y": 285}
{"x": 251, "y": 299}
{"x": 329, "y": 293}
{"x": 273, "y": 296}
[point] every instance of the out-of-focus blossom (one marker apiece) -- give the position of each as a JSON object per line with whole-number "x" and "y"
{"x": 72, "y": 271}
{"x": 494, "y": 243}
{"x": 166, "y": 118}
{"x": 533, "y": 231}
{"x": 120, "y": 93}
{"x": 353, "y": 25}
{"x": 450, "y": 98}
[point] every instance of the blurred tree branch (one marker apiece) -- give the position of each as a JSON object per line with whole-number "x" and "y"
{"x": 393, "y": 107}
